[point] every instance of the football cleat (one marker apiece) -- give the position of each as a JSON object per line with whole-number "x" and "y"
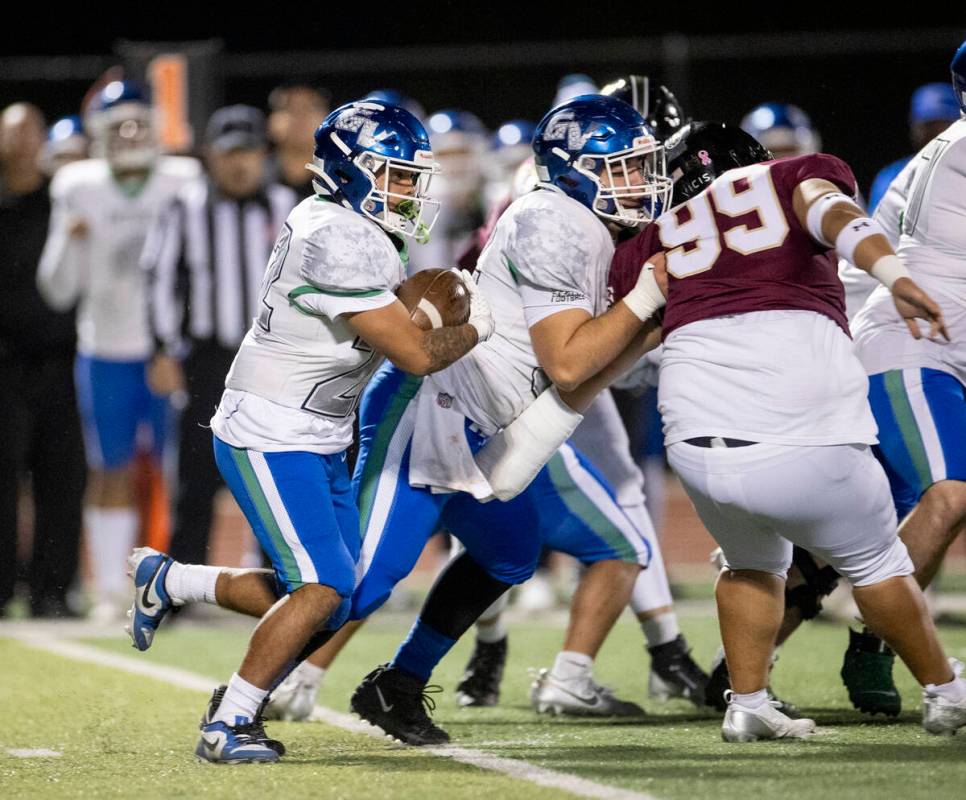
{"x": 292, "y": 700}
{"x": 580, "y": 696}
{"x": 232, "y": 744}
{"x": 867, "y": 674}
{"x": 719, "y": 683}
{"x": 400, "y": 705}
{"x": 151, "y": 601}
{"x": 255, "y": 729}
{"x": 941, "y": 716}
{"x": 743, "y": 724}
{"x": 675, "y": 674}
{"x": 480, "y": 685}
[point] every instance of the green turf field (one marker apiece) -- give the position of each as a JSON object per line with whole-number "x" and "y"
{"x": 121, "y": 735}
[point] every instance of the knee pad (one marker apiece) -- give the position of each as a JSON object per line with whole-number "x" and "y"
{"x": 820, "y": 582}
{"x": 339, "y": 617}
{"x": 893, "y": 562}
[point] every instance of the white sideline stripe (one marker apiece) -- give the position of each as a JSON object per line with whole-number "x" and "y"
{"x": 183, "y": 679}
{"x": 42, "y": 752}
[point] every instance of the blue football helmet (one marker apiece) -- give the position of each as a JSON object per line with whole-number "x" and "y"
{"x": 784, "y": 129}
{"x": 958, "y": 69}
{"x": 933, "y": 102}
{"x": 364, "y": 148}
{"x": 585, "y": 145}
{"x": 121, "y": 122}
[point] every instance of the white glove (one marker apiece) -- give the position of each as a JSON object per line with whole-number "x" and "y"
{"x": 511, "y": 459}
{"x": 646, "y": 296}
{"x": 481, "y": 317}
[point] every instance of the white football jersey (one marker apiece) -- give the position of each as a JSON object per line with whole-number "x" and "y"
{"x": 932, "y": 245}
{"x": 548, "y": 253}
{"x": 298, "y": 374}
{"x": 100, "y": 272}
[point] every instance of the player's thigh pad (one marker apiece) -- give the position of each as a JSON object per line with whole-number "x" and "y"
{"x": 113, "y": 399}
{"x": 921, "y": 415}
{"x": 579, "y": 514}
{"x": 721, "y": 485}
{"x": 299, "y": 507}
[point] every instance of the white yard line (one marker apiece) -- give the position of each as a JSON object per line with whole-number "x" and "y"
{"x": 522, "y": 770}
{"x": 42, "y": 752}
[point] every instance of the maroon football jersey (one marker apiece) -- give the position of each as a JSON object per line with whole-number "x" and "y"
{"x": 738, "y": 247}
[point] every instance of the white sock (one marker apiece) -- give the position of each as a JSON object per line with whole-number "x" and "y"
{"x": 192, "y": 583}
{"x": 110, "y": 535}
{"x": 309, "y": 674}
{"x": 954, "y": 691}
{"x": 570, "y": 664}
{"x": 491, "y": 630}
{"x": 753, "y": 700}
{"x": 241, "y": 701}
{"x": 661, "y": 629}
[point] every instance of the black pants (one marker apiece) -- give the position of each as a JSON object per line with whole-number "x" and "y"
{"x": 40, "y": 434}
{"x": 198, "y": 476}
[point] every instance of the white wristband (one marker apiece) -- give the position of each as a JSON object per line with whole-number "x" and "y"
{"x": 646, "y": 296}
{"x": 818, "y": 210}
{"x": 853, "y": 234}
{"x": 888, "y": 269}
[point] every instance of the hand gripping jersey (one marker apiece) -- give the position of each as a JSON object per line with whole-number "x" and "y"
{"x": 756, "y": 342}
{"x": 101, "y": 271}
{"x": 297, "y": 377}
{"x": 932, "y": 244}
{"x": 548, "y": 253}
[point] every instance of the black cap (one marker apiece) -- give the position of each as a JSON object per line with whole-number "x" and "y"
{"x": 236, "y": 126}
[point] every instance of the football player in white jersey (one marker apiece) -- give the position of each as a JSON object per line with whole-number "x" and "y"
{"x": 329, "y": 314}
{"x": 102, "y": 210}
{"x": 917, "y": 388}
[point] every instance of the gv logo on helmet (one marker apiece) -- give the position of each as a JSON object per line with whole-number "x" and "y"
{"x": 359, "y": 122}
{"x": 563, "y": 127}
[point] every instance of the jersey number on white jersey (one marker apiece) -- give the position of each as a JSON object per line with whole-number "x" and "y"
{"x": 339, "y": 395}
{"x": 272, "y": 273}
{"x": 693, "y": 246}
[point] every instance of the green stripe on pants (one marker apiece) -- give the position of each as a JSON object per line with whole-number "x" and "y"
{"x": 906, "y": 420}
{"x": 583, "y": 508}
{"x": 376, "y": 453}
{"x": 265, "y": 515}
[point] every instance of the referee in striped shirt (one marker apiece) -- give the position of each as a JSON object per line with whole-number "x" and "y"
{"x": 206, "y": 256}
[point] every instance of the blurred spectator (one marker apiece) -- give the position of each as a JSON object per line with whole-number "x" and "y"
{"x": 207, "y": 256}
{"x": 295, "y": 111}
{"x": 932, "y": 109}
{"x": 41, "y": 431}
{"x": 784, "y": 129}
{"x": 66, "y": 143}
{"x": 102, "y": 210}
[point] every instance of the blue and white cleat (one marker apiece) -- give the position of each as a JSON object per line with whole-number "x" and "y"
{"x": 151, "y": 600}
{"x": 221, "y": 743}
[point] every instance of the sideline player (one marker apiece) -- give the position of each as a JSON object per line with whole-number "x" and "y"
{"x": 281, "y": 431}
{"x": 103, "y": 208}
{"x": 766, "y": 418}
{"x": 917, "y": 388}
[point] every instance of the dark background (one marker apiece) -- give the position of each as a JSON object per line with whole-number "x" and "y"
{"x": 852, "y": 74}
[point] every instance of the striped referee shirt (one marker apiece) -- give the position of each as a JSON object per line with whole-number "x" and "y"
{"x": 206, "y": 256}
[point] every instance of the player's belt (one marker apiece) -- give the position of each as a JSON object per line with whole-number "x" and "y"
{"x": 717, "y": 441}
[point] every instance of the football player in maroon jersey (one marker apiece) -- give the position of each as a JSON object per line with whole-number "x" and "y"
{"x": 764, "y": 404}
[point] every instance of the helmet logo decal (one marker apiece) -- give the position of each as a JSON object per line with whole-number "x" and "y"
{"x": 704, "y": 157}
{"x": 359, "y": 122}
{"x": 563, "y": 127}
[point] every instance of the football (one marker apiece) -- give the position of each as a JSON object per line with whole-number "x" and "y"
{"x": 436, "y": 298}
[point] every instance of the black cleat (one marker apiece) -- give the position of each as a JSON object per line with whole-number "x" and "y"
{"x": 720, "y": 681}
{"x": 254, "y": 729}
{"x": 675, "y": 674}
{"x": 399, "y": 704}
{"x": 480, "y": 685}
{"x": 867, "y": 674}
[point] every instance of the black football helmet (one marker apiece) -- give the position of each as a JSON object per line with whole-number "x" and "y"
{"x": 655, "y": 102}
{"x": 701, "y": 151}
